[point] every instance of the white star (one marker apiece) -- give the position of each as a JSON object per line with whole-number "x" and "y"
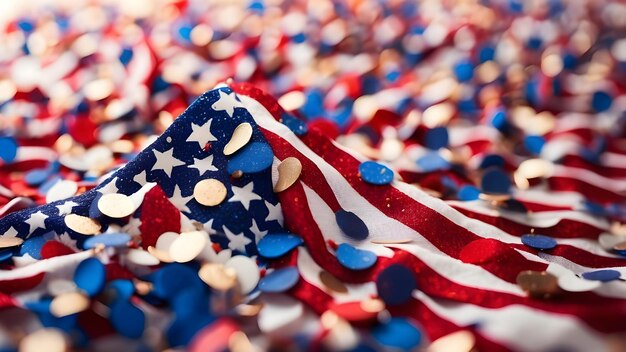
{"x": 208, "y": 227}
{"x": 201, "y": 134}
{"x": 244, "y": 194}
{"x": 236, "y": 242}
{"x": 203, "y": 165}
{"x": 110, "y": 187}
{"x": 275, "y": 212}
{"x": 36, "y": 220}
{"x": 179, "y": 201}
{"x": 133, "y": 227}
{"x": 258, "y": 234}
{"x": 166, "y": 161}
{"x": 67, "y": 240}
{"x": 66, "y": 208}
{"x": 140, "y": 178}
{"x": 11, "y": 232}
{"x": 227, "y": 102}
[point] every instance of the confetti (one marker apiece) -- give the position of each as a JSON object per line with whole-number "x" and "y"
{"x": 279, "y": 280}
{"x": 354, "y": 258}
{"x": 539, "y": 241}
{"x": 241, "y": 136}
{"x": 116, "y": 205}
{"x": 288, "y": 173}
{"x": 277, "y": 245}
{"x": 209, "y": 192}
{"x": 82, "y": 224}
{"x": 375, "y": 173}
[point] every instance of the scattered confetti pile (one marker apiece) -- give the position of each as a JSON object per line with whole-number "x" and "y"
{"x": 189, "y": 175}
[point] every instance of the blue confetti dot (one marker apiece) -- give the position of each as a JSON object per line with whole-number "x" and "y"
{"x": 254, "y": 157}
{"x": 534, "y": 144}
{"x": 36, "y": 177}
{"x": 108, "y": 240}
{"x": 604, "y": 275}
{"x": 32, "y": 246}
{"x": 467, "y": 193}
{"x": 495, "y": 181}
{"x": 172, "y": 278}
{"x": 397, "y": 333}
{"x": 539, "y": 241}
{"x": 395, "y": 284}
{"x": 432, "y": 162}
{"x": 464, "y": 71}
{"x": 351, "y": 225}
{"x": 436, "y": 138}
{"x": 491, "y": 160}
{"x": 280, "y": 280}
{"x": 499, "y": 121}
{"x": 183, "y": 330}
{"x": 375, "y": 173}
{"x": 8, "y": 149}
{"x": 123, "y": 288}
{"x": 127, "y": 319}
{"x": 189, "y": 302}
{"x": 297, "y": 126}
{"x": 601, "y": 101}
{"x": 354, "y": 258}
{"x": 90, "y": 276}
{"x": 278, "y": 244}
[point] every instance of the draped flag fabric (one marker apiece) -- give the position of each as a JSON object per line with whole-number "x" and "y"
{"x": 464, "y": 258}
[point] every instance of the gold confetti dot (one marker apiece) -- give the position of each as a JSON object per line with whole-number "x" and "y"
{"x": 116, "y": 205}
{"x": 6, "y": 242}
{"x": 539, "y": 284}
{"x": 332, "y": 283}
{"x": 82, "y": 224}
{"x": 68, "y": 304}
{"x": 188, "y": 246}
{"x": 209, "y": 192}
{"x": 218, "y": 277}
{"x": 288, "y": 173}
{"x": 461, "y": 341}
{"x": 160, "y": 255}
{"x": 49, "y": 340}
{"x": 241, "y": 136}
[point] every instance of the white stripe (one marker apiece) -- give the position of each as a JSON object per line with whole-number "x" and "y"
{"x": 520, "y": 327}
{"x": 54, "y": 264}
{"x": 381, "y": 226}
{"x": 532, "y": 219}
{"x": 590, "y": 177}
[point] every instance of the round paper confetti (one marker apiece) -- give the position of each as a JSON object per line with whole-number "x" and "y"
{"x": 354, "y": 258}
{"x": 188, "y": 246}
{"x": 90, "y": 276}
{"x": 288, "y": 173}
{"x": 48, "y": 339}
{"x": 395, "y": 284}
{"x": 107, "y": 240}
{"x": 604, "y": 275}
{"x": 68, "y": 304}
{"x": 82, "y": 224}
{"x": 127, "y": 319}
{"x": 276, "y": 245}
{"x": 247, "y": 272}
{"x": 61, "y": 190}
{"x": 495, "y": 181}
{"x": 217, "y": 276}
{"x": 241, "y": 136}
{"x": 209, "y": 192}
{"x": 7, "y": 242}
{"x": 351, "y": 225}
{"x": 254, "y": 157}
{"x": 116, "y": 205}
{"x": 538, "y": 284}
{"x": 280, "y": 280}
{"x": 8, "y": 149}
{"x": 539, "y": 241}
{"x": 375, "y": 173}
{"x": 397, "y": 333}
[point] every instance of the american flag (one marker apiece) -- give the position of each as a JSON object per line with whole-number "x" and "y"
{"x": 464, "y": 256}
